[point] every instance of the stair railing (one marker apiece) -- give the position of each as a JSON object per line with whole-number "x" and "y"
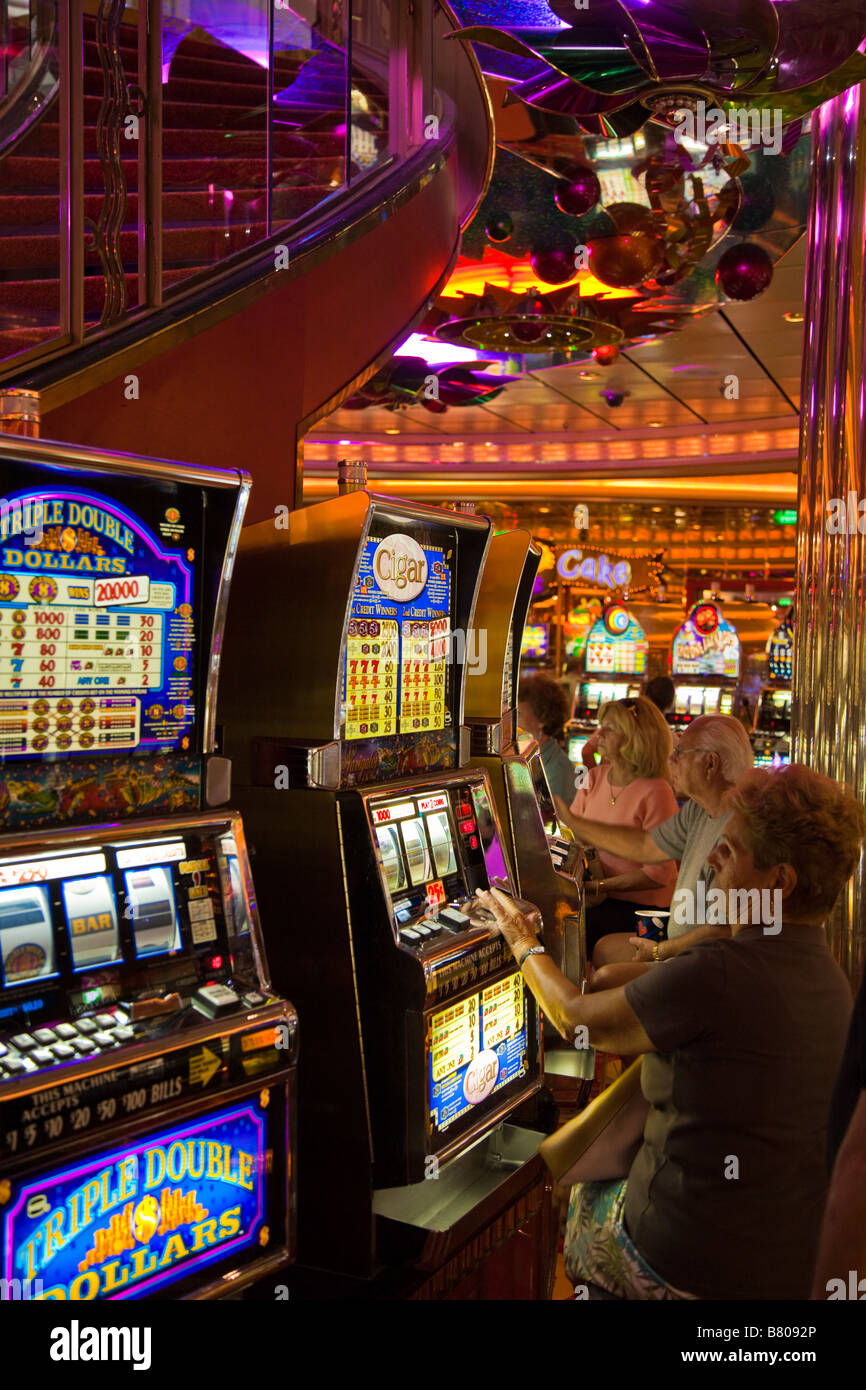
{"x": 351, "y": 85}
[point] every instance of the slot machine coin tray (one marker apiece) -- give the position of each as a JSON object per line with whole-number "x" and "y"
{"x": 463, "y": 1187}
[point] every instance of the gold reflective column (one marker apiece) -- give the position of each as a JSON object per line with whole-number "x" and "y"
{"x": 829, "y": 701}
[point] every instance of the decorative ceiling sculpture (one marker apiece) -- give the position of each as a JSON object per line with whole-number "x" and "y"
{"x": 408, "y": 381}
{"x": 615, "y": 64}
{"x": 653, "y": 163}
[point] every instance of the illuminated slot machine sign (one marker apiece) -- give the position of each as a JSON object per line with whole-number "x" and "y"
{"x": 780, "y": 654}
{"x": 398, "y": 641}
{"x": 476, "y": 1047}
{"x": 616, "y": 644}
{"x": 535, "y": 642}
{"x": 706, "y": 645}
{"x": 97, "y": 626}
{"x": 128, "y": 1221}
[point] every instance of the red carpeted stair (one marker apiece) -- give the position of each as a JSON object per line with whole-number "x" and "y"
{"x": 214, "y": 177}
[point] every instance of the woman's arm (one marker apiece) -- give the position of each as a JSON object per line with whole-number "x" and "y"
{"x": 605, "y": 1021}
{"x": 625, "y": 841}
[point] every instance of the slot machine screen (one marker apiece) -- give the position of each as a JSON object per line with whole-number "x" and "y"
{"x": 726, "y": 702}
{"x": 398, "y": 678}
{"x": 575, "y": 748}
{"x": 682, "y": 700}
{"x": 711, "y": 699}
{"x": 476, "y": 1047}
{"x": 416, "y": 850}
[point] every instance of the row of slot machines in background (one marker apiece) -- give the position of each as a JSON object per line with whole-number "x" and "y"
{"x": 157, "y": 1137}
{"x": 705, "y": 669}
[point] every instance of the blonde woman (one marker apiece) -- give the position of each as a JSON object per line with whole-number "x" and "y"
{"x": 629, "y": 788}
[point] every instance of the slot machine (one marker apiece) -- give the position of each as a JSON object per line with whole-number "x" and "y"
{"x": 771, "y": 735}
{"x": 545, "y": 862}
{"x": 705, "y": 665}
{"x": 616, "y": 660}
{"x": 146, "y": 1066}
{"x": 371, "y": 836}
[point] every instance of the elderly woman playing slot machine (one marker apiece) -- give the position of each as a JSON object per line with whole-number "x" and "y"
{"x": 742, "y": 1039}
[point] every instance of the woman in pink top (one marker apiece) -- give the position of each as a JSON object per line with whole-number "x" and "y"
{"x": 629, "y": 788}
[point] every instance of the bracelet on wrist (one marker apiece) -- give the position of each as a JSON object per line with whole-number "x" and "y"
{"x": 534, "y": 950}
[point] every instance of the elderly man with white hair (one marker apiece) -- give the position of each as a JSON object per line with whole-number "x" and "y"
{"x": 711, "y": 756}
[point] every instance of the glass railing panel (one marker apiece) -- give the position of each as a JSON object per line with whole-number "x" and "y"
{"x": 308, "y": 114}
{"x": 370, "y": 90}
{"x": 31, "y": 241}
{"x": 215, "y": 131}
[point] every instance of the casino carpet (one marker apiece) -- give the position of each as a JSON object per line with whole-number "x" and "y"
{"x": 214, "y": 172}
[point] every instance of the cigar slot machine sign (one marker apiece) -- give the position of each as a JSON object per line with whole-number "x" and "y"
{"x": 146, "y": 1067}
{"x": 705, "y": 665}
{"x": 370, "y": 840}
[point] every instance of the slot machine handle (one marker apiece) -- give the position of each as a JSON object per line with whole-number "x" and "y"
{"x": 151, "y": 1008}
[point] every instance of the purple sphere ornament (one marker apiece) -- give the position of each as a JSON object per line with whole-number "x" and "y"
{"x": 554, "y": 267}
{"x": 499, "y": 228}
{"x": 744, "y": 271}
{"x": 577, "y": 193}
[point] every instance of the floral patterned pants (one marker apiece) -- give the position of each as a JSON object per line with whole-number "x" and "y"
{"x": 599, "y": 1249}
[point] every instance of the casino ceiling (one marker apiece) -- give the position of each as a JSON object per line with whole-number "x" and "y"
{"x": 675, "y": 435}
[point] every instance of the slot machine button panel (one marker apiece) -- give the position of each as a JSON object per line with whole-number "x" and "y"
{"x": 3, "y": 1050}
{"x": 23, "y": 1042}
{"x": 42, "y": 1057}
{"x": 15, "y": 1066}
{"x": 409, "y": 937}
{"x": 87, "y": 1026}
{"x": 62, "y": 1051}
{"x": 105, "y": 1020}
{"x": 44, "y": 1036}
{"x": 124, "y": 1034}
{"x": 254, "y": 1001}
{"x": 84, "y": 1046}
{"x": 453, "y": 917}
{"x": 103, "y": 1039}
{"x": 65, "y": 1031}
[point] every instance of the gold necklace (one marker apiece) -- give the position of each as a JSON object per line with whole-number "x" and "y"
{"x": 615, "y": 799}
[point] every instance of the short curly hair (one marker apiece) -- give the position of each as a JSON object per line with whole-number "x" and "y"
{"x": 792, "y": 815}
{"x": 547, "y": 700}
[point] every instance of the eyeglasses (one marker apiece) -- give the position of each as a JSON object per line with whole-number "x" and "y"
{"x": 683, "y": 752}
